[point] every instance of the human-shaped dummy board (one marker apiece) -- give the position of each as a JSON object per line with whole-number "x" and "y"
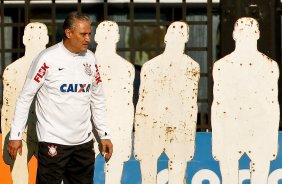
{"x": 245, "y": 109}
{"x": 166, "y": 112}
{"x": 35, "y": 39}
{"x": 117, "y": 76}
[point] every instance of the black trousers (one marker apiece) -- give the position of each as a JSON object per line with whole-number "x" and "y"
{"x": 72, "y": 164}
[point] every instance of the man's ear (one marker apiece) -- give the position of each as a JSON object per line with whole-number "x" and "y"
{"x": 68, "y": 33}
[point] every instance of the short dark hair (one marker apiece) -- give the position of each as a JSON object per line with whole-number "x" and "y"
{"x": 70, "y": 20}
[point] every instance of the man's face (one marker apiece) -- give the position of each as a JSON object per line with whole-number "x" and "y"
{"x": 79, "y": 36}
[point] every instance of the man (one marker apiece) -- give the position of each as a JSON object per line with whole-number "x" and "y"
{"x": 69, "y": 92}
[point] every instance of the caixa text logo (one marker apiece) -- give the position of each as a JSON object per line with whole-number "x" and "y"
{"x": 203, "y": 175}
{"x": 75, "y": 88}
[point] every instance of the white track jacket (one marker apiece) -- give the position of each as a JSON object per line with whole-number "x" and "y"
{"x": 69, "y": 93}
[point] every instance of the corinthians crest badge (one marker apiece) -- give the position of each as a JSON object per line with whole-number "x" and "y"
{"x": 52, "y": 150}
{"x": 87, "y": 68}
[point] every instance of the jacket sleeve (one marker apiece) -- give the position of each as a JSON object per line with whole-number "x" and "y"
{"x": 98, "y": 107}
{"x": 35, "y": 79}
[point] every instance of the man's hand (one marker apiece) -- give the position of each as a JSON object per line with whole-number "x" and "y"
{"x": 14, "y": 147}
{"x": 106, "y": 148}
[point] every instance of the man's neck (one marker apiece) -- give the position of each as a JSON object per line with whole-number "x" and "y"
{"x": 68, "y": 46}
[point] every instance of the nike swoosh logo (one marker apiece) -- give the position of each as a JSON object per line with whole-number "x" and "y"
{"x": 60, "y": 69}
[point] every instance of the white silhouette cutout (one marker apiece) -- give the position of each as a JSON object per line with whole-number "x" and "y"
{"x": 245, "y": 109}
{"x": 35, "y": 39}
{"x": 166, "y": 113}
{"x": 117, "y": 77}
